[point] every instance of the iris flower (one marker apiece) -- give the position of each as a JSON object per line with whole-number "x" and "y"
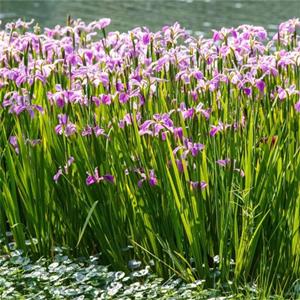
{"x": 65, "y": 127}
{"x": 95, "y": 178}
{"x": 151, "y": 179}
{"x": 63, "y": 170}
{"x": 198, "y": 185}
{"x": 14, "y": 142}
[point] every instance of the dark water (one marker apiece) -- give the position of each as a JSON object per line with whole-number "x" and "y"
{"x": 197, "y": 15}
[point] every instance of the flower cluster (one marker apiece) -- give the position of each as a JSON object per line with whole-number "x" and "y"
{"x": 165, "y": 85}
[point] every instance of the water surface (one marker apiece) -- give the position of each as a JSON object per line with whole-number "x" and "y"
{"x": 197, "y": 15}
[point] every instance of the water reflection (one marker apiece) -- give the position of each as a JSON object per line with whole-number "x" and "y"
{"x": 197, "y": 15}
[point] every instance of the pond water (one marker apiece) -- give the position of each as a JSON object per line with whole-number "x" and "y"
{"x": 197, "y": 15}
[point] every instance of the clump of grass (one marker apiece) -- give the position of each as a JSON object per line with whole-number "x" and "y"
{"x": 183, "y": 148}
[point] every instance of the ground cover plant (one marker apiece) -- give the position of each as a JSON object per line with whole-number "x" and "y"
{"x": 154, "y": 146}
{"x": 85, "y": 278}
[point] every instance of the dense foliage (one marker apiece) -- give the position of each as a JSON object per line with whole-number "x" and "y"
{"x": 176, "y": 148}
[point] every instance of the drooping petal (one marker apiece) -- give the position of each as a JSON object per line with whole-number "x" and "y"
{"x": 57, "y": 175}
{"x": 260, "y": 85}
{"x": 14, "y": 142}
{"x": 297, "y": 106}
{"x": 123, "y": 98}
{"x": 140, "y": 182}
{"x": 105, "y": 99}
{"x": 152, "y": 179}
{"x": 110, "y": 178}
{"x": 90, "y": 180}
{"x": 179, "y": 165}
{"x": 68, "y": 164}
{"x": 223, "y": 162}
{"x": 178, "y": 133}
{"x": 214, "y": 130}
{"x": 59, "y": 129}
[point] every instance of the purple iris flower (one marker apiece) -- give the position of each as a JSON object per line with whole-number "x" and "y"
{"x": 87, "y": 131}
{"x": 198, "y": 185}
{"x": 187, "y": 113}
{"x": 123, "y": 97}
{"x": 260, "y": 85}
{"x": 146, "y": 38}
{"x": 63, "y": 170}
{"x": 70, "y": 129}
{"x": 57, "y": 175}
{"x": 184, "y": 76}
{"x": 178, "y": 133}
{"x": 128, "y": 119}
{"x": 215, "y": 130}
{"x": 195, "y": 148}
{"x": 60, "y": 101}
{"x": 289, "y": 27}
{"x": 17, "y": 109}
{"x": 109, "y": 178}
{"x": 145, "y": 127}
{"x": 64, "y": 126}
{"x": 104, "y": 79}
{"x": 95, "y": 178}
{"x": 101, "y": 24}
{"x": 14, "y": 142}
{"x": 153, "y": 127}
{"x": 69, "y": 163}
{"x": 141, "y": 181}
{"x": 220, "y": 127}
{"x": 164, "y": 135}
{"x": 216, "y": 36}
{"x": 99, "y": 131}
{"x": 19, "y": 103}
{"x": 152, "y": 178}
{"x": 91, "y": 179}
{"x": 89, "y": 55}
{"x": 223, "y": 162}
{"x": 21, "y": 79}
{"x": 73, "y": 59}
{"x": 198, "y": 74}
{"x": 194, "y": 95}
{"x": 97, "y": 100}
{"x": 247, "y": 91}
{"x": 105, "y": 99}
{"x": 282, "y": 94}
{"x": 189, "y": 147}
{"x": 119, "y": 86}
{"x": 204, "y": 112}
{"x": 179, "y": 165}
